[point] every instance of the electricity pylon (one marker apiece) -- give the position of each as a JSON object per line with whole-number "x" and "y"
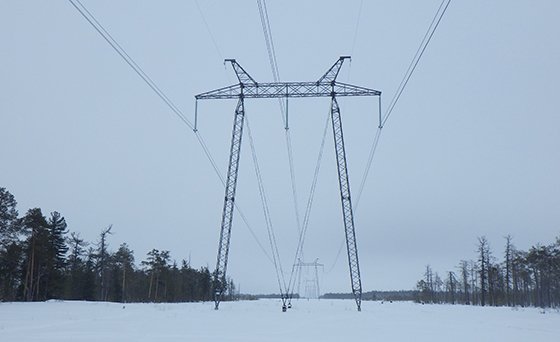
{"x": 326, "y": 86}
{"x": 314, "y": 282}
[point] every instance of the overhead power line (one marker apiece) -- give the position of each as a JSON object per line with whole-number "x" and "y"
{"x": 302, "y": 233}
{"x": 267, "y": 32}
{"x": 410, "y": 70}
{"x": 383, "y": 118}
{"x": 129, "y": 60}
{"x": 302, "y": 227}
{"x": 419, "y": 52}
{"x": 218, "y": 51}
{"x": 90, "y": 18}
{"x": 269, "y": 41}
{"x": 356, "y": 27}
{"x": 265, "y": 23}
{"x": 268, "y": 220}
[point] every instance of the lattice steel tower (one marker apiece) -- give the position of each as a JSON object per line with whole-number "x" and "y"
{"x": 326, "y": 86}
{"x": 300, "y": 266}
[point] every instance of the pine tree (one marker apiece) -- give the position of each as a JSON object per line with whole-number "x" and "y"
{"x": 75, "y": 267}
{"x": 36, "y": 254}
{"x": 57, "y": 250}
{"x": 464, "y": 267}
{"x": 10, "y": 246}
{"x": 508, "y": 256}
{"x": 102, "y": 257}
{"x": 429, "y": 280}
{"x": 88, "y": 286}
{"x": 483, "y": 261}
{"x": 124, "y": 261}
{"x": 156, "y": 264}
{"x": 9, "y": 224}
{"x": 451, "y": 286}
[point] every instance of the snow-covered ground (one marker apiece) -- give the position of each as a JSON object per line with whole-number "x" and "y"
{"x": 313, "y": 320}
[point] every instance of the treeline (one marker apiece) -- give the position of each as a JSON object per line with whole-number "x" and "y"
{"x": 40, "y": 259}
{"x": 521, "y": 278}
{"x": 401, "y": 295}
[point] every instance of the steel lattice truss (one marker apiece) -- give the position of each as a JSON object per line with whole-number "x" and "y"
{"x": 300, "y": 265}
{"x": 287, "y": 89}
{"x": 326, "y": 86}
{"x": 346, "y": 199}
{"x": 219, "y": 281}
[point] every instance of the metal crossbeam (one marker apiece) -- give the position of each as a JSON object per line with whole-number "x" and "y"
{"x": 326, "y": 86}
{"x": 287, "y": 89}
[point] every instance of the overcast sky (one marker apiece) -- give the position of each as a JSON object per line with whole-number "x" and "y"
{"x": 471, "y": 148}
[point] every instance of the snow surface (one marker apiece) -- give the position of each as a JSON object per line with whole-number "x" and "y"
{"x": 262, "y": 320}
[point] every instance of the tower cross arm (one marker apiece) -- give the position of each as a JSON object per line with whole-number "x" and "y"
{"x": 287, "y": 89}
{"x": 344, "y": 89}
{"x": 229, "y": 92}
{"x": 326, "y": 86}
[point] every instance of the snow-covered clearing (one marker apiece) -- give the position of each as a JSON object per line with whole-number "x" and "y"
{"x": 313, "y": 320}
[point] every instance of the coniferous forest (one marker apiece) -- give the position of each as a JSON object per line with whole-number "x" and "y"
{"x": 521, "y": 278}
{"x": 41, "y": 259}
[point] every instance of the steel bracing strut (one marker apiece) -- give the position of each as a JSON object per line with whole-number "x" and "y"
{"x": 326, "y": 86}
{"x": 219, "y": 281}
{"x": 351, "y": 246}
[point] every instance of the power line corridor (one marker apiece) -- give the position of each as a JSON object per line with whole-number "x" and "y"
{"x": 247, "y": 88}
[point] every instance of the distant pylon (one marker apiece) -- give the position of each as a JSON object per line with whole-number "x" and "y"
{"x": 312, "y": 289}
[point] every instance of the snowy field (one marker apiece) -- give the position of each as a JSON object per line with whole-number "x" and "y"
{"x": 324, "y": 320}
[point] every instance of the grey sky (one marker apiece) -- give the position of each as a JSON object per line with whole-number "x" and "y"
{"x": 471, "y": 149}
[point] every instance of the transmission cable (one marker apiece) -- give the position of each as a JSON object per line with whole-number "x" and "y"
{"x": 269, "y": 227}
{"x": 265, "y": 23}
{"x": 209, "y": 31}
{"x": 354, "y": 39}
{"x": 302, "y": 234}
{"x": 419, "y": 52}
{"x": 372, "y": 151}
{"x": 412, "y": 66}
{"x": 423, "y": 45}
{"x": 267, "y": 31}
{"x": 357, "y": 27}
{"x": 302, "y": 228}
{"x": 116, "y": 46}
{"x": 383, "y": 119}
{"x": 148, "y": 80}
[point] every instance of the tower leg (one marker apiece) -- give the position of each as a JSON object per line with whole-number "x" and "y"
{"x": 317, "y": 281}
{"x": 219, "y": 281}
{"x": 351, "y": 246}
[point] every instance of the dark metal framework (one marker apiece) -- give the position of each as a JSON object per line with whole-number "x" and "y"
{"x": 219, "y": 281}
{"x": 326, "y": 86}
{"x": 315, "y": 264}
